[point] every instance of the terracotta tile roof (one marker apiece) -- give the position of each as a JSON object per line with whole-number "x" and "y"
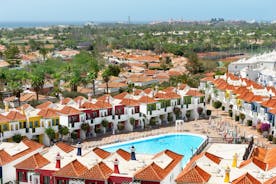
{"x": 246, "y": 179}
{"x": 35, "y": 161}
{"x": 169, "y": 95}
{"x": 240, "y": 90}
{"x": 124, "y": 154}
{"x": 154, "y": 173}
{"x": 44, "y": 105}
{"x": 263, "y": 158}
{"x": 5, "y": 157}
{"x": 272, "y": 111}
{"x": 105, "y": 97}
{"x": 121, "y": 95}
{"x": 212, "y": 157}
{"x": 68, "y": 110}
{"x": 209, "y": 74}
{"x": 211, "y": 79}
{"x": 182, "y": 86}
{"x": 103, "y": 104}
{"x": 169, "y": 89}
{"x": 150, "y": 173}
{"x": 32, "y": 146}
{"x": 101, "y": 153}
{"x": 4, "y": 64}
{"x": 271, "y": 181}
{"x": 48, "y": 113}
{"x": 147, "y": 100}
{"x": 65, "y": 147}
{"x": 98, "y": 172}
{"x": 79, "y": 98}
{"x": 66, "y": 101}
{"x": 194, "y": 175}
{"x": 72, "y": 170}
{"x": 174, "y": 73}
{"x": 24, "y": 107}
{"x": 113, "y": 85}
{"x": 4, "y": 119}
{"x": 150, "y": 72}
{"x": 89, "y": 105}
{"x": 193, "y": 92}
{"x": 148, "y": 90}
{"x": 138, "y": 91}
{"x": 130, "y": 102}
{"x": 15, "y": 116}
{"x": 270, "y": 103}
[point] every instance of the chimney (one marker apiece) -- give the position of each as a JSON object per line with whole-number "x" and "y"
{"x": 116, "y": 166}
{"x": 89, "y": 97}
{"x": 61, "y": 98}
{"x": 79, "y": 149}
{"x": 58, "y": 158}
{"x": 132, "y": 153}
{"x": 227, "y": 175}
{"x": 79, "y": 103}
{"x": 235, "y": 158}
{"x": 6, "y": 106}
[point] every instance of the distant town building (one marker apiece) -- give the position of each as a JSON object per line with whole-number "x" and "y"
{"x": 260, "y": 68}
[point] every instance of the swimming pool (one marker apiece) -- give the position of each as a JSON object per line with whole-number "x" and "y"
{"x": 181, "y": 143}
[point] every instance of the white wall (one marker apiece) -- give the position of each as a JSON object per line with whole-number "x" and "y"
{"x": 9, "y": 171}
{"x": 172, "y": 175}
{"x": 63, "y": 120}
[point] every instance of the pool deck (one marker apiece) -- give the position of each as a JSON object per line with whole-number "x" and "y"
{"x": 202, "y": 127}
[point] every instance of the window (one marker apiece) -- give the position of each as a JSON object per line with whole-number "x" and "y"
{"x": 20, "y": 176}
{"x": 36, "y": 123}
{"x": 31, "y": 124}
{"x": 46, "y": 179}
{"x": 57, "y": 121}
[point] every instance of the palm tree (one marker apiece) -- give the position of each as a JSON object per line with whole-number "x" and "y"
{"x": 106, "y": 77}
{"x": 91, "y": 76}
{"x": 37, "y": 82}
{"x": 43, "y": 51}
{"x": 16, "y": 88}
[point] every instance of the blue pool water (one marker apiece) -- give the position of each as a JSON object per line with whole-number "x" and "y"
{"x": 179, "y": 143}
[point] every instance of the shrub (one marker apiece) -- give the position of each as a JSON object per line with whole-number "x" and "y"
{"x": 104, "y": 123}
{"x": 120, "y": 126}
{"x": 242, "y": 116}
{"x": 208, "y": 112}
{"x": 274, "y": 140}
{"x": 132, "y": 121}
{"x": 17, "y": 138}
{"x": 199, "y": 110}
{"x": 270, "y": 137}
{"x": 50, "y": 133}
{"x": 230, "y": 113}
{"x": 223, "y": 108}
{"x": 74, "y": 135}
{"x": 84, "y": 126}
{"x": 249, "y": 122}
{"x": 188, "y": 114}
{"x": 265, "y": 127}
{"x": 217, "y": 104}
{"x": 153, "y": 122}
{"x": 237, "y": 118}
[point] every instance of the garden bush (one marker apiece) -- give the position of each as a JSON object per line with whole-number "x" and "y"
{"x": 249, "y": 122}
{"x": 208, "y": 112}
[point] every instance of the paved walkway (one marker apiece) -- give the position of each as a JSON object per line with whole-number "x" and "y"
{"x": 216, "y": 127}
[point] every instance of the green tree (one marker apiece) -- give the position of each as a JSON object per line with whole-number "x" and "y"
{"x": 50, "y": 133}
{"x": 37, "y": 82}
{"x": 17, "y": 138}
{"x": 43, "y": 51}
{"x": 63, "y": 130}
{"x": 106, "y": 77}
{"x": 92, "y": 76}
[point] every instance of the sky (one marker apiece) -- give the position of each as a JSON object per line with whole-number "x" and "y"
{"x": 138, "y": 10}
